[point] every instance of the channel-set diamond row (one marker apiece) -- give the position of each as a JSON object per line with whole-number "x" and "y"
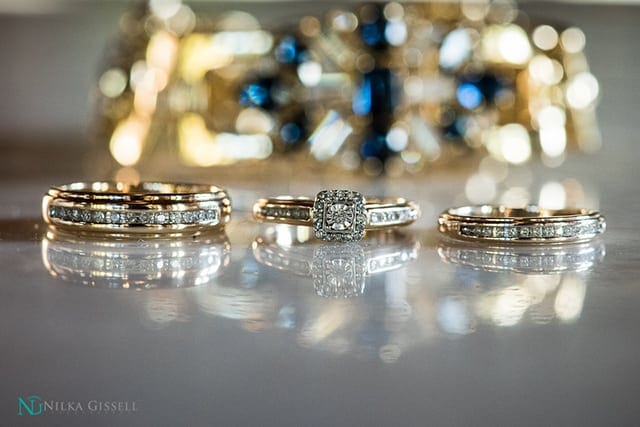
{"x": 134, "y": 217}
{"x": 570, "y": 230}
{"x": 391, "y": 216}
{"x": 379, "y": 217}
{"x": 292, "y": 212}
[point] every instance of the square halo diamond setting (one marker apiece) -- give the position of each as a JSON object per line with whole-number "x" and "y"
{"x": 339, "y": 215}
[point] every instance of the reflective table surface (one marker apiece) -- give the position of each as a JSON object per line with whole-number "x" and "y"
{"x": 263, "y": 325}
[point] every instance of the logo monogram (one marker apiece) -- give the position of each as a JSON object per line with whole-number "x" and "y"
{"x": 32, "y": 405}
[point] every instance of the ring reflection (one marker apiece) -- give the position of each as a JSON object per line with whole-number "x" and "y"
{"x": 506, "y": 285}
{"x": 338, "y": 270}
{"x": 532, "y": 259}
{"x": 134, "y": 264}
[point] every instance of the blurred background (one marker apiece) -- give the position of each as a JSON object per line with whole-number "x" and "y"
{"x": 57, "y": 55}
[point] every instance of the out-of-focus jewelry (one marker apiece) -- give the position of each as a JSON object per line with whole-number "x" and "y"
{"x": 531, "y": 224}
{"x": 338, "y": 215}
{"x": 148, "y": 207}
{"x": 382, "y": 87}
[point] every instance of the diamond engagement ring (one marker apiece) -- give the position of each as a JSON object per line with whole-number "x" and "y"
{"x": 338, "y": 215}
{"x": 148, "y": 207}
{"x": 531, "y": 224}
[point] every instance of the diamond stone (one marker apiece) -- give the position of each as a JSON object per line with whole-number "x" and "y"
{"x": 301, "y": 213}
{"x": 468, "y": 230}
{"x": 548, "y": 231}
{"x": 211, "y": 215}
{"x": 134, "y": 218}
{"x": 98, "y": 217}
{"x": 536, "y": 231}
{"x": 175, "y": 217}
{"x": 524, "y": 232}
{"x": 505, "y": 232}
{"x": 339, "y": 215}
{"x": 113, "y": 217}
{"x": 511, "y": 232}
{"x": 568, "y": 231}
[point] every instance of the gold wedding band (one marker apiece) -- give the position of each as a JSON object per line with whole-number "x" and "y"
{"x": 148, "y": 207}
{"x": 531, "y": 224}
{"x": 338, "y": 215}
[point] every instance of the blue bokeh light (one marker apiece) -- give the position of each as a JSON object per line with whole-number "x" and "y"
{"x": 290, "y": 51}
{"x": 291, "y": 133}
{"x": 469, "y": 95}
{"x": 375, "y": 146}
{"x": 257, "y": 94}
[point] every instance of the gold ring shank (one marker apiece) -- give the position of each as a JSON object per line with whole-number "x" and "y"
{"x": 144, "y": 192}
{"x": 285, "y": 210}
{"x": 148, "y": 207}
{"x": 381, "y": 212}
{"x": 531, "y": 224}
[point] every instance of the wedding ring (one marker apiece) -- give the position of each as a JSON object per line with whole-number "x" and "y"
{"x": 338, "y": 215}
{"x": 148, "y": 207}
{"x": 531, "y": 224}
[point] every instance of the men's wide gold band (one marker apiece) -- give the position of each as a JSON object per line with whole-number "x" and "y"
{"x": 148, "y": 207}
